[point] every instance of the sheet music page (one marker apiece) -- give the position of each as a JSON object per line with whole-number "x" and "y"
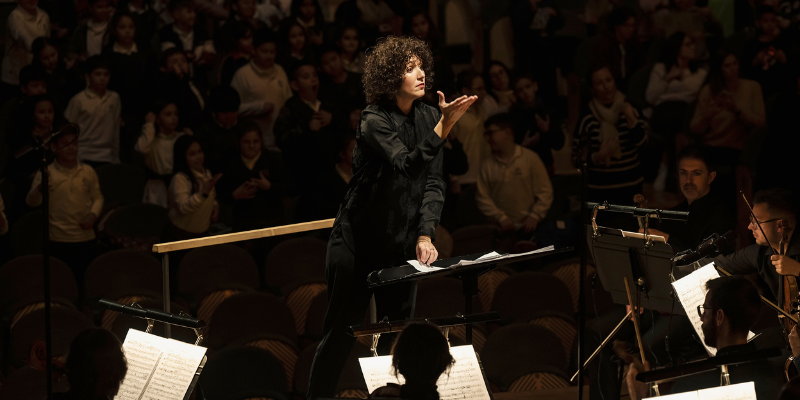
{"x": 691, "y": 291}
{"x": 740, "y": 391}
{"x": 465, "y": 380}
{"x": 676, "y": 396}
{"x": 158, "y": 368}
{"x": 422, "y": 267}
{"x": 497, "y": 257}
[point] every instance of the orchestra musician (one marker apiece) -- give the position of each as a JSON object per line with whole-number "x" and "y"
{"x": 731, "y": 308}
{"x": 394, "y": 200}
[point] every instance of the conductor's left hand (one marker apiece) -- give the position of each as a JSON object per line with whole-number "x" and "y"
{"x": 452, "y": 111}
{"x": 426, "y": 252}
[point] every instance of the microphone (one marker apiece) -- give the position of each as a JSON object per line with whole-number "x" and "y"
{"x": 149, "y": 313}
{"x": 713, "y": 244}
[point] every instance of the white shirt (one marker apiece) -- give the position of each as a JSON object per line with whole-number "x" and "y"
{"x": 257, "y": 87}
{"x": 74, "y": 193}
{"x": 121, "y": 50}
{"x": 99, "y": 120}
{"x": 157, "y": 148}
{"x": 22, "y": 29}
{"x": 685, "y": 89}
{"x": 94, "y": 37}
{"x": 188, "y": 210}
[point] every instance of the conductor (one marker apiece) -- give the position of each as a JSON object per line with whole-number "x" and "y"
{"x": 394, "y": 199}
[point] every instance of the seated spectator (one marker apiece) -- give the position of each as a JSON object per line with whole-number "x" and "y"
{"x": 97, "y": 112}
{"x": 175, "y": 83}
{"x": 255, "y": 183}
{"x": 90, "y": 38}
{"x": 25, "y": 23}
{"x": 618, "y": 47}
{"x": 192, "y": 197}
{"x": 218, "y": 136}
{"x": 75, "y": 204}
{"x": 263, "y": 86}
{"x": 36, "y": 122}
{"x": 145, "y": 18}
{"x": 536, "y": 126}
{"x": 612, "y": 131}
{"x": 349, "y": 43}
{"x": 341, "y": 88}
{"x": 766, "y": 56}
{"x": 294, "y": 46}
{"x": 241, "y": 44}
{"x": 327, "y": 192}
{"x": 307, "y": 129}
{"x": 308, "y": 14}
{"x": 696, "y": 22}
{"x": 514, "y": 189}
{"x": 421, "y": 354}
{"x": 499, "y": 79}
{"x": 728, "y": 111}
{"x": 185, "y": 35}
{"x": 243, "y": 11}
{"x": 96, "y": 366}
{"x": 159, "y": 133}
{"x": 62, "y": 82}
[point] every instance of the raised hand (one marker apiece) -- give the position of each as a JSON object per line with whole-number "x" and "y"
{"x": 451, "y": 112}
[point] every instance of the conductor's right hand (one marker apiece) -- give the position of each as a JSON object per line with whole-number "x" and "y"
{"x": 426, "y": 252}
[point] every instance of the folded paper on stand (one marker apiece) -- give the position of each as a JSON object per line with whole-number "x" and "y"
{"x": 465, "y": 380}
{"x": 741, "y": 391}
{"x": 691, "y": 291}
{"x": 158, "y": 368}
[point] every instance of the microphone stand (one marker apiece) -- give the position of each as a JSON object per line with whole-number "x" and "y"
{"x": 583, "y": 243}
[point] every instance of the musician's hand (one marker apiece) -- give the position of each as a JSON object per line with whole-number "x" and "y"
{"x": 656, "y": 232}
{"x": 794, "y": 342}
{"x": 786, "y": 265}
{"x": 426, "y": 252}
{"x": 637, "y": 390}
{"x": 628, "y": 309}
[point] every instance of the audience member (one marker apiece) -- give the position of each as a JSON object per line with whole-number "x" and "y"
{"x": 25, "y": 23}
{"x": 349, "y": 43}
{"x": 612, "y": 132}
{"x": 696, "y": 22}
{"x": 421, "y": 354}
{"x": 159, "y": 133}
{"x": 242, "y": 11}
{"x": 294, "y": 46}
{"x": 272, "y": 13}
{"x": 766, "y": 55}
{"x": 185, "y": 35}
{"x": 97, "y": 111}
{"x": 728, "y": 110}
{"x": 145, "y": 18}
{"x": 339, "y": 87}
{"x": 75, "y": 204}
{"x": 254, "y": 183}
{"x": 514, "y": 189}
{"x": 90, "y": 38}
{"x": 307, "y": 129}
{"x": 674, "y": 82}
{"x": 534, "y": 24}
{"x": 536, "y": 126}
{"x": 174, "y": 82}
{"x": 96, "y": 366}
{"x": 192, "y": 198}
{"x": 308, "y": 14}
{"x": 499, "y": 77}
{"x": 263, "y": 86}
{"x": 240, "y": 40}
{"x": 217, "y": 135}
{"x": 618, "y": 47}
{"x": 63, "y": 82}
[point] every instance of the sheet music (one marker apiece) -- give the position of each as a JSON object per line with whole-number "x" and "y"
{"x": 158, "y": 368}
{"x": 422, "y": 267}
{"x": 691, "y": 291}
{"x": 465, "y": 380}
{"x": 497, "y": 257}
{"x": 740, "y": 391}
{"x": 676, "y": 396}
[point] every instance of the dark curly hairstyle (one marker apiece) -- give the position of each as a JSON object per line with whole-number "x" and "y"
{"x": 388, "y": 61}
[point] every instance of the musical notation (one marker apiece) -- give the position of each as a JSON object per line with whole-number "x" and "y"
{"x": 158, "y": 368}
{"x": 463, "y": 382}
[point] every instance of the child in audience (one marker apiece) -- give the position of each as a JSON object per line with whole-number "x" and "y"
{"x": 75, "y": 204}
{"x": 263, "y": 86}
{"x": 241, "y": 43}
{"x": 218, "y": 136}
{"x": 25, "y": 23}
{"x": 309, "y": 14}
{"x": 254, "y": 183}
{"x": 90, "y": 38}
{"x": 241, "y": 11}
{"x": 192, "y": 198}
{"x": 339, "y": 86}
{"x": 144, "y": 17}
{"x": 97, "y": 111}
{"x": 307, "y": 130}
{"x": 159, "y": 133}
{"x": 294, "y": 45}
{"x": 499, "y": 79}
{"x": 349, "y": 44}
{"x": 62, "y": 82}
{"x": 536, "y": 126}
{"x": 186, "y": 36}
{"x": 174, "y": 82}
{"x": 514, "y": 189}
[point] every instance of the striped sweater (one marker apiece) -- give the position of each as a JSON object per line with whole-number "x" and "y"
{"x": 620, "y": 172}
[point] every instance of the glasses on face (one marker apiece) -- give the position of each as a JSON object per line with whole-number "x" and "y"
{"x": 702, "y": 310}
{"x": 752, "y": 220}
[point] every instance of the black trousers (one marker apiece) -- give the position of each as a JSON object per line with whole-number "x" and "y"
{"x": 348, "y": 296}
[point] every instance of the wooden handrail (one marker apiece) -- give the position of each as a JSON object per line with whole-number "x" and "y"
{"x": 242, "y": 236}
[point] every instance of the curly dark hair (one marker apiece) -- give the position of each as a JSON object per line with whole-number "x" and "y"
{"x": 388, "y": 61}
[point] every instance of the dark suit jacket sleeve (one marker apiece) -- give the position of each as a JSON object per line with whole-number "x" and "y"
{"x": 742, "y": 262}
{"x": 432, "y": 200}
